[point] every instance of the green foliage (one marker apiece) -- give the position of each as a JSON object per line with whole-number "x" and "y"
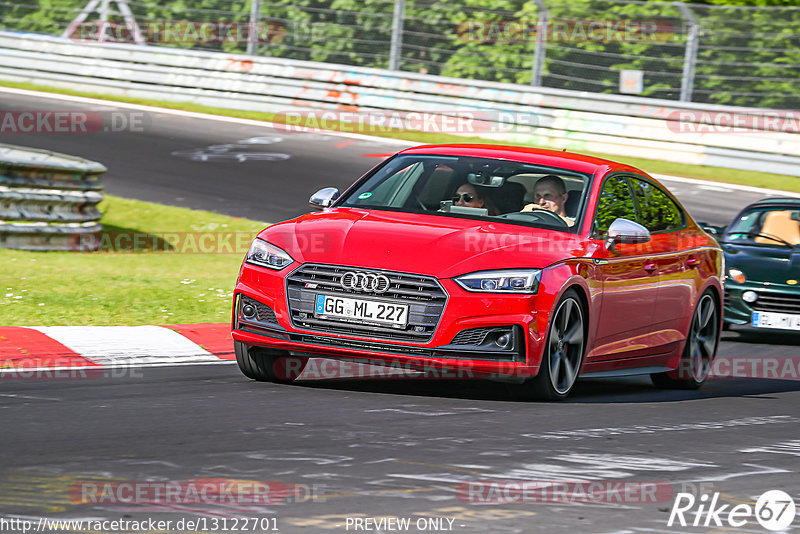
{"x": 615, "y": 202}
{"x": 749, "y": 50}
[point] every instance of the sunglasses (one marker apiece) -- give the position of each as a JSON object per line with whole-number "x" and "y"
{"x": 467, "y": 197}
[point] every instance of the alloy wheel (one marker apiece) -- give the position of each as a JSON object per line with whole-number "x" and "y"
{"x": 565, "y": 345}
{"x": 702, "y": 339}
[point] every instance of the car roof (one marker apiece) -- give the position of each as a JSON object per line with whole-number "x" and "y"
{"x": 554, "y": 158}
{"x": 775, "y": 201}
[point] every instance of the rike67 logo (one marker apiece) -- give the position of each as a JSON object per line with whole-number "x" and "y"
{"x": 774, "y": 510}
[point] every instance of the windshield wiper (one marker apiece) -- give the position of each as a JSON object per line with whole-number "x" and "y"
{"x": 765, "y": 236}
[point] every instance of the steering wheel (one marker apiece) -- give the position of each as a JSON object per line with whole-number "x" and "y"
{"x": 538, "y": 215}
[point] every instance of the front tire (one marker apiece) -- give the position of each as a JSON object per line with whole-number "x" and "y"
{"x": 702, "y": 341}
{"x": 264, "y": 365}
{"x": 563, "y": 353}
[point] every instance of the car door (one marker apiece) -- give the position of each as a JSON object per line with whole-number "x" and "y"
{"x": 666, "y": 221}
{"x": 629, "y": 280}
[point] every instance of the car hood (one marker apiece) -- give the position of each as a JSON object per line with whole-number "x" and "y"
{"x": 764, "y": 264}
{"x": 425, "y": 244}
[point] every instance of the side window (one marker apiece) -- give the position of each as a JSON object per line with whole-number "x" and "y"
{"x": 615, "y": 202}
{"x": 657, "y": 212}
{"x": 394, "y": 188}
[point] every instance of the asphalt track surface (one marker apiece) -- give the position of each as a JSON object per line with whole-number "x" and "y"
{"x": 371, "y": 448}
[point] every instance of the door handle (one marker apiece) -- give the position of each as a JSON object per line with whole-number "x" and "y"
{"x": 650, "y": 267}
{"x": 692, "y": 262}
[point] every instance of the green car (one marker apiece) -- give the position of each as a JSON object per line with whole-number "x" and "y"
{"x": 762, "y": 262}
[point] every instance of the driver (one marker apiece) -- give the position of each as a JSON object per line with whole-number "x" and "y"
{"x": 550, "y": 194}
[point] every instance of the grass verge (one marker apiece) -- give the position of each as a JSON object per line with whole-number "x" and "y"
{"x": 190, "y": 283}
{"x": 732, "y": 176}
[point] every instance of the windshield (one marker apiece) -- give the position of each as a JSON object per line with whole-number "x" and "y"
{"x": 483, "y": 188}
{"x": 775, "y": 226}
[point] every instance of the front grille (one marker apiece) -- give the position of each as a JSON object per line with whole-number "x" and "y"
{"x": 424, "y": 296}
{"x": 777, "y": 303}
{"x": 363, "y": 345}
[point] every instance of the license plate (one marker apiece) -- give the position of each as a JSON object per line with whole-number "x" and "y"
{"x": 357, "y": 310}
{"x": 785, "y": 321}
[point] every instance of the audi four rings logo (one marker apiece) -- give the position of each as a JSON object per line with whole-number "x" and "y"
{"x": 358, "y": 281}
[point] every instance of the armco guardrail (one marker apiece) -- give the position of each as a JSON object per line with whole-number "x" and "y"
{"x": 48, "y": 201}
{"x": 582, "y": 122}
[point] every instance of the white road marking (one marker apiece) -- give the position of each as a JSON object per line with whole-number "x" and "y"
{"x": 584, "y": 433}
{"x": 28, "y": 397}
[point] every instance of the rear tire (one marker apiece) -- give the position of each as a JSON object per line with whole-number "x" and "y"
{"x": 563, "y": 353}
{"x": 702, "y": 341}
{"x": 268, "y": 366}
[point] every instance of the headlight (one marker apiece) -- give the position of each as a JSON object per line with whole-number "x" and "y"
{"x": 516, "y": 281}
{"x": 737, "y": 275}
{"x": 267, "y": 255}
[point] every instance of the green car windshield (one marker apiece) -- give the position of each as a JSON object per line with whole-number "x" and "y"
{"x": 767, "y": 226}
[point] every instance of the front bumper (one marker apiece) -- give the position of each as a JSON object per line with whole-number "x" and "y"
{"x": 771, "y": 298}
{"x": 457, "y": 342}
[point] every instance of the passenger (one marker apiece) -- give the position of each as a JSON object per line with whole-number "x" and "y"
{"x": 550, "y": 194}
{"x": 468, "y": 196}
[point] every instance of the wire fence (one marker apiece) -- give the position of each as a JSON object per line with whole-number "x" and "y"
{"x": 743, "y": 56}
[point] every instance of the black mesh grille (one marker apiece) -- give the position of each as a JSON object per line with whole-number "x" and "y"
{"x": 265, "y": 314}
{"x": 424, "y": 296}
{"x": 473, "y": 336}
{"x": 771, "y": 302}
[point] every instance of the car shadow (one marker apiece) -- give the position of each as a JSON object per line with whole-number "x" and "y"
{"x": 761, "y": 336}
{"x": 634, "y": 390}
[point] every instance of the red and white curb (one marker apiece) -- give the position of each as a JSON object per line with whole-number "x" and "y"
{"x": 48, "y": 347}
{"x": 87, "y": 351}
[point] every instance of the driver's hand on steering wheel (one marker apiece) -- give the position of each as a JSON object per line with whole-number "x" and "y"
{"x": 533, "y": 206}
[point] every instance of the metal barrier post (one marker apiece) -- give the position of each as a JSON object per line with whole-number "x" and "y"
{"x": 541, "y": 41}
{"x": 690, "y": 56}
{"x": 396, "y": 47}
{"x": 255, "y": 14}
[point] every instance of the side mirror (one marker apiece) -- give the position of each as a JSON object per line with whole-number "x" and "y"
{"x": 323, "y": 198}
{"x": 626, "y": 231}
{"x": 714, "y": 230}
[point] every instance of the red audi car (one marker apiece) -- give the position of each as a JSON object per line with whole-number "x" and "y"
{"x": 531, "y": 266}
